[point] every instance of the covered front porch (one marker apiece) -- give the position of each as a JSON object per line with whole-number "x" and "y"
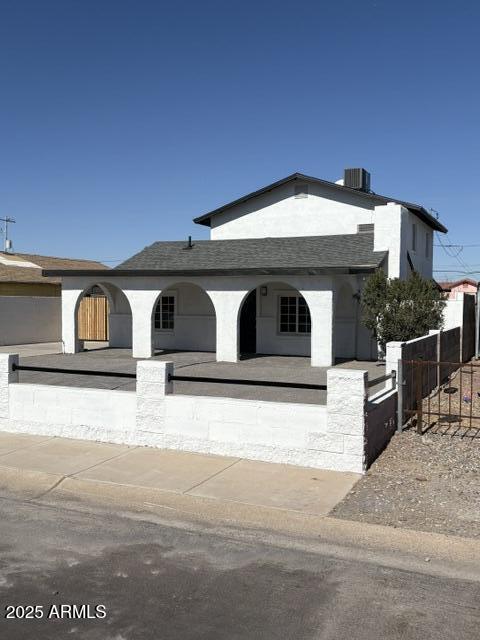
{"x": 314, "y": 317}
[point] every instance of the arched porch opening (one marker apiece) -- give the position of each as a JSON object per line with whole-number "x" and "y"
{"x": 274, "y": 319}
{"x": 183, "y": 319}
{"x": 103, "y": 318}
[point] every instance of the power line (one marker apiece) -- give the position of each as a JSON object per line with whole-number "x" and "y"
{"x": 451, "y": 255}
{"x": 457, "y": 245}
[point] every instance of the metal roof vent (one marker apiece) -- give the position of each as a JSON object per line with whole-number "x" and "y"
{"x": 357, "y": 179}
{"x": 189, "y": 244}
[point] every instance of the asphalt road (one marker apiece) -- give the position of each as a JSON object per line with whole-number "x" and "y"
{"x": 161, "y": 582}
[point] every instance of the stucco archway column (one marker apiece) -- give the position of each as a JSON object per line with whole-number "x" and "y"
{"x": 321, "y": 308}
{"x": 70, "y": 298}
{"x": 227, "y": 306}
{"x": 141, "y": 303}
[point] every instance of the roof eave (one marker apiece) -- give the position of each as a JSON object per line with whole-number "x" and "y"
{"x": 422, "y": 213}
{"x": 328, "y": 270}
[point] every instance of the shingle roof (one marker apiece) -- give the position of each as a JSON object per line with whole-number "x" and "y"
{"x": 15, "y": 272}
{"x": 374, "y": 198}
{"x": 260, "y": 253}
{"x": 311, "y": 254}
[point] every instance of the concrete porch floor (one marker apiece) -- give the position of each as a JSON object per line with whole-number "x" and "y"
{"x": 271, "y": 368}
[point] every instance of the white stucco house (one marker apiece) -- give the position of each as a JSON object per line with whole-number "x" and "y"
{"x": 282, "y": 273}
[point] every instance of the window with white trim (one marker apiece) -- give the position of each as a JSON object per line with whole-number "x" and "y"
{"x": 294, "y": 316}
{"x": 164, "y": 317}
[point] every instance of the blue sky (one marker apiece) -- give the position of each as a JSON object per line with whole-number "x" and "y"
{"x": 121, "y": 121}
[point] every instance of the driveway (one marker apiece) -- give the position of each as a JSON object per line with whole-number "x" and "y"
{"x": 195, "y": 363}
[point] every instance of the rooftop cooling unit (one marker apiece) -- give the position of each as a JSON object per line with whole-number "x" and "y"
{"x": 357, "y": 179}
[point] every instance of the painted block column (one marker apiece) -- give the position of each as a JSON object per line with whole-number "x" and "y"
{"x": 70, "y": 342}
{"x": 152, "y": 387}
{"x": 227, "y": 307}
{"x": 320, "y": 304}
{"x": 393, "y": 353}
{"x": 346, "y": 413}
{"x": 141, "y": 304}
{"x": 7, "y": 376}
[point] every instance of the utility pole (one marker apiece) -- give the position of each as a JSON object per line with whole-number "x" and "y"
{"x": 6, "y": 242}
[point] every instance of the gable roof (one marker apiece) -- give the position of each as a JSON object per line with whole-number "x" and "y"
{"x": 27, "y": 267}
{"x": 374, "y": 198}
{"x": 448, "y": 286}
{"x": 306, "y": 255}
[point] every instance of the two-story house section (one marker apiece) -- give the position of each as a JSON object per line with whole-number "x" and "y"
{"x": 281, "y": 274}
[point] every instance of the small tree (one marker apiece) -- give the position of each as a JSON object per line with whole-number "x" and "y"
{"x": 401, "y": 309}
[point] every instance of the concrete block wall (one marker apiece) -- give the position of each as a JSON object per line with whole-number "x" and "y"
{"x": 318, "y": 436}
{"x": 70, "y": 412}
{"x": 346, "y": 416}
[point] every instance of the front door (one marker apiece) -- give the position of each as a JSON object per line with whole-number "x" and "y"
{"x": 248, "y": 324}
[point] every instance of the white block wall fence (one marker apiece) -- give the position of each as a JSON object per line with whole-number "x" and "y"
{"x": 319, "y": 436}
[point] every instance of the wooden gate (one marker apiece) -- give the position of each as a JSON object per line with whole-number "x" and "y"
{"x": 93, "y": 318}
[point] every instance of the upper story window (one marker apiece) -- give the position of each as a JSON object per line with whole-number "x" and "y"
{"x": 414, "y": 237}
{"x": 428, "y": 239}
{"x": 294, "y": 315}
{"x": 301, "y": 191}
{"x": 164, "y": 317}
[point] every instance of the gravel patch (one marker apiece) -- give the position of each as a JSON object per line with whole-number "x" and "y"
{"x": 428, "y": 483}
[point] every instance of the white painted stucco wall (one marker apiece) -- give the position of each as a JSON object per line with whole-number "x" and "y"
{"x": 394, "y": 233}
{"x": 28, "y": 319}
{"x": 194, "y": 323}
{"x": 226, "y": 295}
{"x": 324, "y": 211}
{"x": 269, "y": 338}
{"x": 453, "y": 312}
{"x": 280, "y": 214}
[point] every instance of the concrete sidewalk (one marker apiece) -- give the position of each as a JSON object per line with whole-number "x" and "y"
{"x": 282, "y": 505}
{"x": 53, "y": 461}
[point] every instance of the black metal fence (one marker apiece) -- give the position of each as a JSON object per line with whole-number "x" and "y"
{"x": 202, "y": 379}
{"x": 78, "y": 372}
{"x": 453, "y": 403}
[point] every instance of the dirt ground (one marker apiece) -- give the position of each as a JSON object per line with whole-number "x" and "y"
{"x": 428, "y": 483}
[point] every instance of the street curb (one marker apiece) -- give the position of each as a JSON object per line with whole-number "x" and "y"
{"x": 449, "y": 555}
{"x": 438, "y": 554}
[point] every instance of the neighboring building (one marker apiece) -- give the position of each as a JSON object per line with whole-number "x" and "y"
{"x": 453, "y": 289}
{"x": 30, "y": 304}
{"x": 282, "y": 274}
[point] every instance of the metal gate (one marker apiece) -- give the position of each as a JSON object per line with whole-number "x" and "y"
{"x": 440, "y": 397}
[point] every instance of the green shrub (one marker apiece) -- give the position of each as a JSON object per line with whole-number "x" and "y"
{"x": 401, "y": 309}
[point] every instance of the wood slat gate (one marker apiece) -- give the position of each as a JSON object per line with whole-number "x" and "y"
{"x": 93, "y": 318}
